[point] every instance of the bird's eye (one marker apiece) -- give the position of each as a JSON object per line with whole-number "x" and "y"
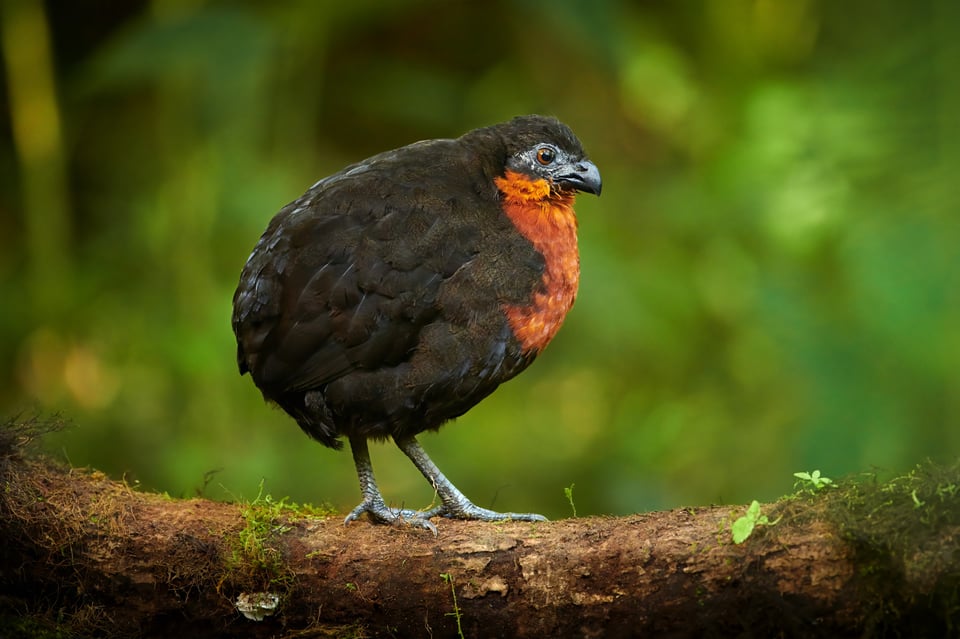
{"x": 546, "y": 155}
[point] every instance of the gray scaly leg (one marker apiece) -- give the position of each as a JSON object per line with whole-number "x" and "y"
{"x": 373, "y": 503}
{"x": 454, "y": 504}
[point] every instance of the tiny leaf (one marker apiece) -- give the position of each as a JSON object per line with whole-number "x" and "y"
{"x": 741, "y": 529}
{"x": 743, "y": 526}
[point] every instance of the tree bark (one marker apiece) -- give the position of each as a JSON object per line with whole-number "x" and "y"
{"x": 91, "y": 556}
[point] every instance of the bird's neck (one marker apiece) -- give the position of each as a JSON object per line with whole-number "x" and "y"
{"x": 547, "y": 220}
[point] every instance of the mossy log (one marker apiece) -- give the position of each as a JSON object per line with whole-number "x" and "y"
{"x": 87, "y": 556}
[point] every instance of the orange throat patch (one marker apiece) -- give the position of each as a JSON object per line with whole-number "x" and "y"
{"x": 548, "y": 221}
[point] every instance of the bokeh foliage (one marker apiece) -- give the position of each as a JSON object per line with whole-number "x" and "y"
{"x": 771, "y": 280}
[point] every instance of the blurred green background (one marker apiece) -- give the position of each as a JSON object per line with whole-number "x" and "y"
{"x": 770, "y": 280}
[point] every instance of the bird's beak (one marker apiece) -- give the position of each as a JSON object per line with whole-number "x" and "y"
{"x": 581, "y": 176}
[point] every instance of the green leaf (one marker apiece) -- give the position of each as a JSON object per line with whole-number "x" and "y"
{"x": 743, "y": 527}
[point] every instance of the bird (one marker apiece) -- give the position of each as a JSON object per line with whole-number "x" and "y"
{"x": 396, "y": 294}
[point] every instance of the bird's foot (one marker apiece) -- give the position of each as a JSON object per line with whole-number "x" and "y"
{"x": 454, "y": 505}
{"x": 468, "y": 510}
{"x": 380, "y": 513}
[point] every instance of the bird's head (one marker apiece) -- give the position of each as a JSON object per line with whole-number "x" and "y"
{"x": 543, "y": 148}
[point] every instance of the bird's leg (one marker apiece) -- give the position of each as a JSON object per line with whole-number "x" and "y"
{"x": 373, "y": 503}
{"x": 454, "y": 504}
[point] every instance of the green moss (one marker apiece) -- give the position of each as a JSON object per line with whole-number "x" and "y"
{"x": 257, "y": 559}
{"x": 900, "y": 532}
{"x": 28, "y": 627}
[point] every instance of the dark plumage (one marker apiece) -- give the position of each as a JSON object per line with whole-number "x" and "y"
{"x": 397, "y": 293}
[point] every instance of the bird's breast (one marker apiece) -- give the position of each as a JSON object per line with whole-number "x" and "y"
{"x": 548, "y": 221}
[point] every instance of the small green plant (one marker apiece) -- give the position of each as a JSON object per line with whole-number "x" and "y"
{"x": 743, "y": 527}
{"x": 447, "y": 577}
{"x": 568, "y": 491}
{"x": 814, "y": 480}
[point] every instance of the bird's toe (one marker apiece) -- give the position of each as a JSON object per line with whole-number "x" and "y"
{"x": 476, "y": 513}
